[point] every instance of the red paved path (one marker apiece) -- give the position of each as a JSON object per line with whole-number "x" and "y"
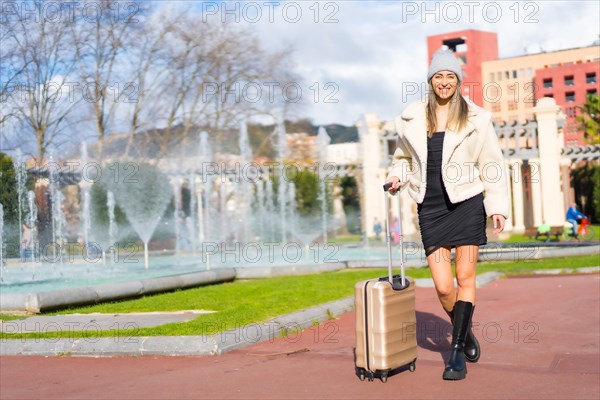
{"x": 539, "y": 336}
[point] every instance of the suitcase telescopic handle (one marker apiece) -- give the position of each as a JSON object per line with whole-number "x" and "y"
{"x": 386, "y": 188}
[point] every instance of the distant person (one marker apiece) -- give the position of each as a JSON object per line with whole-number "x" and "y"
{"x": 575, "y": 217}
{"x": 26, "y": 242}
{"x": 443, "y": 130}
{"x": 377, "y": 228}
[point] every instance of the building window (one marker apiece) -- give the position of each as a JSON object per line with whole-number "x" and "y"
{"x": 547, "y": 83}
{"x": 550, "y": 95}
{"x": 514, "y": 74}
{"x": 507, "y": 74}
{"x": 499, "y": 75}
{"x": 592, "y": 91}
{"x": 570, "y": 97}
{"x": 569, "y": 80}
{"x": 529, "y": 72}
{"x": 571, "y": 112}
{"x": 522, "y": 73}
{"x": 492, "y": 76}
{"x": 590, "y": 77}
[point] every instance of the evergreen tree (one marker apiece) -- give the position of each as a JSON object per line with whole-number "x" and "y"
{"x": 10, "y": 203}
{"x": 589, "y": 120}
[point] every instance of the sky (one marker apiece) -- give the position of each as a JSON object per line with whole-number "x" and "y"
{"x": 354, "y": 56}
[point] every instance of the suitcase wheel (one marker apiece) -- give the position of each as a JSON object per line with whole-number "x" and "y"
{"x": 384, "y": 376}
{"x": 412, "y": 366}
{"x": 361, "y": 373}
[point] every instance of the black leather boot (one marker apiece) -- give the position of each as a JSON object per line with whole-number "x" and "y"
{"x": 456, "y": 367}
{"x": 472, "y": 349}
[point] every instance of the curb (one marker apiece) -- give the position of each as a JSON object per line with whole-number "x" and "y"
{"x": 45, "y": 301}
{"x": 218, "y": 343}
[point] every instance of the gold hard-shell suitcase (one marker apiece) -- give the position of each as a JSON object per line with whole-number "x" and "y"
{"x": 386, "y": 324}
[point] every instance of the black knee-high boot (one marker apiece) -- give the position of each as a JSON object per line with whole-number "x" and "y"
{"x": 472, "y": 349}
{"x": 456, "y": 367}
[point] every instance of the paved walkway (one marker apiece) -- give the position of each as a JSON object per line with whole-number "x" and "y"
{"x": 540, "y": 339}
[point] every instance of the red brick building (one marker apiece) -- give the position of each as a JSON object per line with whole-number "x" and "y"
{"x": 569, "y": 84}
{"x": 509, "y": 87}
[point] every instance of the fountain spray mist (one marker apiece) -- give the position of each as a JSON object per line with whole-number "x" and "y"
{"x": 112, "y": 225}
{"x": 142, "y": 195}
{"x": 323, "y": 141}
{"x": 282, "y": 152}
{"x": 246, "y": 192}
{"x": 21, "y": 175}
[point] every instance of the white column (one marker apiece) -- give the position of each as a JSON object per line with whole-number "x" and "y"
{"x": 339, "y": 215}
{"x": 508, "y": 226}
{"x": 373, "y": 176}
{"x": 536, "y": 191}
{"x": 547, "y": 114}
{"x": 517, "y": 186}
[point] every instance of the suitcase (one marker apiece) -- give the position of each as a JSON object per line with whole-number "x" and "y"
{"x": 386, "y": 337}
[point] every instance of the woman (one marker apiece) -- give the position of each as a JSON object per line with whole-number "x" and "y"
{"x": 449, "y": 158}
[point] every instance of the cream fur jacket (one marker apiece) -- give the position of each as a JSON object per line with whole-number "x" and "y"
{"x": 472, "y": 160}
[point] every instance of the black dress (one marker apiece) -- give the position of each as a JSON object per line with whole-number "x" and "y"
{"x": 441, "y": 222}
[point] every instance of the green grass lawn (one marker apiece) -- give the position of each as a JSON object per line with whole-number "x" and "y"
{"x": 253, "y": 301}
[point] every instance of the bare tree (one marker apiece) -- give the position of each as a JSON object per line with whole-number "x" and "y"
{"x": 175, "y": 75}
{"x": 195, "y": 76}
{"x": 42, "y": 55}
{"x": 10, "y": 70}
{"x": 99, "y": 45}
{"x": 148, "y": 68}
{"x": 245, "y": 79}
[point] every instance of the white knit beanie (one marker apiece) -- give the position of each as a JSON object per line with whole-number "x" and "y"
{"x": 444, "y": 60}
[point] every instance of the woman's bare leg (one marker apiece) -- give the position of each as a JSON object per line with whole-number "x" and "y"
{"x": 441, "y": 272}
{"x": 466, "y": 269}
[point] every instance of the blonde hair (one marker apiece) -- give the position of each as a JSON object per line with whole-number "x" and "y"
{"x": 457, "y": 115}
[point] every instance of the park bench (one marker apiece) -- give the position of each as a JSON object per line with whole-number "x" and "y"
{"x": 546, "y": 231}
